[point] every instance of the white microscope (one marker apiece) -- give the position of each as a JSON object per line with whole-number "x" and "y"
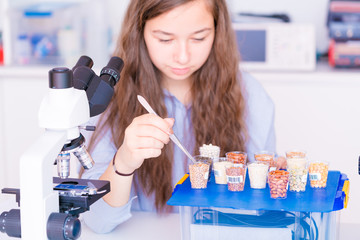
{"x": 48, "y": 212}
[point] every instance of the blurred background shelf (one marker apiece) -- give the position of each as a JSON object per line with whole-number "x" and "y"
{"x": 46, "y": 32}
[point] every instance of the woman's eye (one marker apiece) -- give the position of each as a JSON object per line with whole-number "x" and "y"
{"x": 199, "y": 39}
{"x": 165, "y": 40}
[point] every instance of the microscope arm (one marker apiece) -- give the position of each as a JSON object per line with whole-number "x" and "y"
{"x": 38, "y": 200}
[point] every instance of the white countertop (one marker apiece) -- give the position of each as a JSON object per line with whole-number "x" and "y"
{"x": 150, "y": 226}
{"x": 143, "y": 225}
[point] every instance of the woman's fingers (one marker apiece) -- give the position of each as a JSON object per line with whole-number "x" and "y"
{"x": 145, "y": 153}
{"x": 147, "y": 143}
{"x": 156, "y": 121}
{"x": 145, "y": 137}
{"x": 150, "y": 131}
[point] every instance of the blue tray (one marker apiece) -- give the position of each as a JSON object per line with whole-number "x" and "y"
{"x": 326, "y": 199}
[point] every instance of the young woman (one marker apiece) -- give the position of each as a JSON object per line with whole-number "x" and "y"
{"x": 181, "y": 55}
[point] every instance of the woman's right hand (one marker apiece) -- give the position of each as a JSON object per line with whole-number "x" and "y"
{"x": 144, "y": 138}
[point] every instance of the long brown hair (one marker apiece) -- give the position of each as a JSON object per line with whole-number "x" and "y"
{"x": 218, "y": 107}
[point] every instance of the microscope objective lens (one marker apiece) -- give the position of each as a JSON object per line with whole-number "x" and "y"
{"x": 84, "y": 157}
{"x": 63, "y": 164}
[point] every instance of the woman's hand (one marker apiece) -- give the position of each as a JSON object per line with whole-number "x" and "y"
{"x": 281, "y": 162}
{"x": 144, "y": 138}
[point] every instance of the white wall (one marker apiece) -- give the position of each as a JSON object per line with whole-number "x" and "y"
{"x": 20, "y": 101}
{"x": 116, "y": 11}
{"x": 318, "y": 112}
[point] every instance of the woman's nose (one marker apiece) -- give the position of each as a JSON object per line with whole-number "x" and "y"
{"x": 182, "y": 53}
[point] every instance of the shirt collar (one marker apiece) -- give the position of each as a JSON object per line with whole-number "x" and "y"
{"x": 171, "y": 97}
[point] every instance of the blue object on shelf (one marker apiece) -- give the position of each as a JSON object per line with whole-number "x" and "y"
{"x": 42, "y": 10}
{"x": 326, "y": 199}
{"x": 341, "y": 195}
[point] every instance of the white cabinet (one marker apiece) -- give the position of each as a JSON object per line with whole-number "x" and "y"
{"x": 21, "y": 91}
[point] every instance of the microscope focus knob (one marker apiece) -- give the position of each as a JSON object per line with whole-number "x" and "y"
{"x": 10, "y": 223}
{"x": 62, "y": 226}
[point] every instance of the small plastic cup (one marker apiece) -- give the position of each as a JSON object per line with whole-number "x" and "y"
{"x": 206, "y": 160}
{"x": 235, "y": 176}
{"x": 237, "y": 157}
{"x": 211, "y": 151}
{"x": 199, "y": 174}
{"x": 318, "y": 173}
{"x": 295, "y": 153}
{"x": 298, "y": 171}
{"x": 219, "y": 167}
{"x": 278, "y": 182}
{"x": 258, "y": 172}
{"x": 266, "y": 157}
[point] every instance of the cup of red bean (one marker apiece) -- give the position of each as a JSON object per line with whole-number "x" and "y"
{"x": 266, "y": 157}
{"x": 237, "y": 157}
{"x": 295, "y": 153}
{"x": 278, "y": 183}
{"x": 235, "y": 176}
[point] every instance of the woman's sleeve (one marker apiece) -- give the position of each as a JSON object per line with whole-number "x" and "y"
{"x": 102, "y": 218}
{"x": 260, "y": 117}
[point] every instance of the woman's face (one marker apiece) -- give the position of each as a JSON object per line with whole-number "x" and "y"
{"x": 179, "y": 41}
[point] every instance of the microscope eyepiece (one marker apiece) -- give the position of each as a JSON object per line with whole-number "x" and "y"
{"x": 84, "y": 61}
{"x": 99, "y": 89}
{"x": 60, "y": 78}
{"x": 116, "y": 63}
{"x": 111, "y": 72}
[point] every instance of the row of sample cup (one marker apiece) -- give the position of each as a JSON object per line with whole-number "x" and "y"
{"x": 299, "y": 168}
{"x": 295, "y": 177}
{"x": 232, "y": 169}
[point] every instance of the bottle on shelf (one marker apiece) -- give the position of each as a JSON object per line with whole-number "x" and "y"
{"x": 1, "y": 50}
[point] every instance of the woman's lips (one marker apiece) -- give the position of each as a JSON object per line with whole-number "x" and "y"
{"x": 180, "y": 71}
